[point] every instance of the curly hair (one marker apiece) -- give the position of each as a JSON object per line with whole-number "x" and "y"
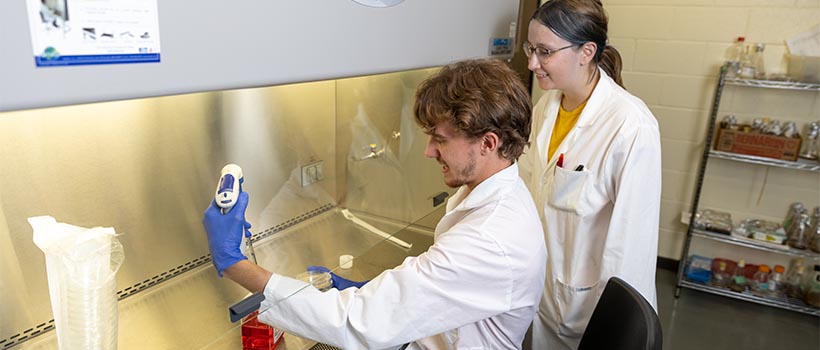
{"x": 478, "y": 96}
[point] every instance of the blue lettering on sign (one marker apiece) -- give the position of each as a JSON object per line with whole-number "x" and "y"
{"x": 77, "y": 60}
{"x": 501, "y": 46}
{"x": 499, "y": 41}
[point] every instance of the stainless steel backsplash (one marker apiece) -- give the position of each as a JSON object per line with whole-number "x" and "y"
{"x": 149, "y": 167}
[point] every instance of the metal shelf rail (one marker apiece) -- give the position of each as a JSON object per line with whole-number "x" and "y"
{"x": 790, "y": 304}
{"x": 800, "y": 164}
{"x": 786, "y": 85}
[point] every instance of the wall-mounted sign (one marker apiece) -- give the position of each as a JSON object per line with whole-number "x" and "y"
{"x": 501, "y": 46}
{"x": 81, "y": 32}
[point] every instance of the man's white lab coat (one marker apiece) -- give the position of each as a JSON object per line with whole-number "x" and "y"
{"x": 600, "y": 221}
{"x": 477, "y": 287}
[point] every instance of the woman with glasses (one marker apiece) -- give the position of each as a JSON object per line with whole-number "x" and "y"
{"x": 593, "y": 167}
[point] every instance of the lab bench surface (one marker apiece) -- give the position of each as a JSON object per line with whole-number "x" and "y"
{"x": 191, "y": 310}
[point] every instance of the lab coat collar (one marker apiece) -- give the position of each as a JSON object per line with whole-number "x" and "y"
{"x": 600, "y": 94}
{"x": 487, "y": 191}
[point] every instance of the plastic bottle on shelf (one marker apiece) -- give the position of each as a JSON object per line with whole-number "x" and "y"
{"x": 811, "y": 288}
{"x": 733, "y": 55}
{"x": 776, "y": 280}
{"x": 747, "y": 64}
{"x": 760, "y": 281}
{"x": 721, "y": 277}
{"x": 738, "y": 281}
{"x": 759, "y": 63}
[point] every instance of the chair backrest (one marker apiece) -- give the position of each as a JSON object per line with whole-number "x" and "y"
{"x": 622, "y": 319}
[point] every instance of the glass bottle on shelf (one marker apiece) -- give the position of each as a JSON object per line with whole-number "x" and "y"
{"x": 809, "y": 149}
{"x": 799, "y": 232}
{"x": 757, "y": 125}
{"x": 790, "y": 130}
{"x": 776, "y": 280}
{"x": 729, "y": 122}
{"x": 733, "y": 55}
{"x": 794, "y": 281}
{"x": 760, "y": 281}
{"x": 811, "y": 288}
{"x": 814, "y": 231}
{"x": 794, "y": 210}
{"x": 738, "y": 281}
{"x": 774, "y": 128}
{"x": 721, "y": 277}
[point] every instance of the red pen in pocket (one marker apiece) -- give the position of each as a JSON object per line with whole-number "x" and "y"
{"x": 561, "y": 160}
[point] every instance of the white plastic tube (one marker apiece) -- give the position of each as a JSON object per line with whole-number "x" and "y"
{"x": 348, "y": 215}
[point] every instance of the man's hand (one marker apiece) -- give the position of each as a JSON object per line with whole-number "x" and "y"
{"x": 225, "y": 233}
{"x": 338, "y": 282}
{"x": 343, "y": 283}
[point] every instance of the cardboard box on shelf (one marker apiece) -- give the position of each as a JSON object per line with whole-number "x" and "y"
{"x": 757, "y": 144}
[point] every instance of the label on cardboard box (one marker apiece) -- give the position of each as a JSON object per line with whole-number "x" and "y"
{"x": 757, "y": 144}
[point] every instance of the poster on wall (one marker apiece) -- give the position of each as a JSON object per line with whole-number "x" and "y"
{"x": 90, "y": 32}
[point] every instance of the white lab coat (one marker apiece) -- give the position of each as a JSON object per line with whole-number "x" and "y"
{"x": 477, "y": 287}
{"x": 599, "y": 222}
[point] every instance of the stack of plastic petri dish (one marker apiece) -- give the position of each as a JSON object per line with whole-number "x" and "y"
{"x": 81, "y": 265}
{"x": 318, "y": 276}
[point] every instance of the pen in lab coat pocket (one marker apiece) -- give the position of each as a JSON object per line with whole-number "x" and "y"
{"x": 561, "y": 160}
{"x": 580, "y": 168}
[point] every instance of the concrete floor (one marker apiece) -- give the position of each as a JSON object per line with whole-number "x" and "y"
{"x": 699, "y": 320}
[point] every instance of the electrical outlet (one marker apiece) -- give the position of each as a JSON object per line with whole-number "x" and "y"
{"x": 306, "y": 175}
{"x": 312, "y": 173}
{"x": 320, "y": 171}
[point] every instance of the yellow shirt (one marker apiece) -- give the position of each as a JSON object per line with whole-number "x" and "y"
{"x": 563, "y": 124}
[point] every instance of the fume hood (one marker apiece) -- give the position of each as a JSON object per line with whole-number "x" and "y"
{"x": 279, "y": 88}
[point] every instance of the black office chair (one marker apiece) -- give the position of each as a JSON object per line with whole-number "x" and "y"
{"x": 622, "y": 319}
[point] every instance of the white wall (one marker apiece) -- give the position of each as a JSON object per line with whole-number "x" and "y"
{"x": 672, "y": 51}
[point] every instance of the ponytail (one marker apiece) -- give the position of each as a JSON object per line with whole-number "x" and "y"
{"x": 610, "y": 62}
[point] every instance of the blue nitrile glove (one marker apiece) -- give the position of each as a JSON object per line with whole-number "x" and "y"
{"x": 338, "y": 282}
{"x": 343, "y": 283}
{"x": 225, "y": 233}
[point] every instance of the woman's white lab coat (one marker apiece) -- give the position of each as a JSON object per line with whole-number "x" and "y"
{"x": 601, "y": 221}
{"x": 477, "y": 287}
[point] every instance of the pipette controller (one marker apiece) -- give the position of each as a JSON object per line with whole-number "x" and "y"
{"x": 227, "y": 193}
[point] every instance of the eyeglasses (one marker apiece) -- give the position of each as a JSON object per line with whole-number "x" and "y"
{"x": 540, "y": 52}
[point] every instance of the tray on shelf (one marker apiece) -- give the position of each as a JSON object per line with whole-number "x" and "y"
{"x": 756, "y": 244}
{"x": 782, "y": 302}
